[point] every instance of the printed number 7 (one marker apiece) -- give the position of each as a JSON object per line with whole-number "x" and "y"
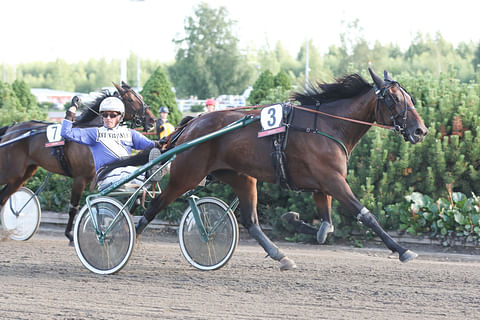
{"x": 55, "y": 132}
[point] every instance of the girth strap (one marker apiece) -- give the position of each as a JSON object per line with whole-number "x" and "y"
{"x": 279, "y": 159}
{"x": 59, "y": 153}
{"x": 310, "y": 130}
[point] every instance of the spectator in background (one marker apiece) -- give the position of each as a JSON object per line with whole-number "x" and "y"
{"x": 162, "y": 126}
{"x": 210, "y": 103}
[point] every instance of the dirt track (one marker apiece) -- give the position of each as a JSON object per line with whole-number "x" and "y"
{"x": 43, "y": 279}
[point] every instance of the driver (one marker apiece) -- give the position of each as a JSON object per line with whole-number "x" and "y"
{"x": 108, "y": 142}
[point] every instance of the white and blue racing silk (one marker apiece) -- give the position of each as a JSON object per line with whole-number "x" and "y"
{"x": 106, "y": 144}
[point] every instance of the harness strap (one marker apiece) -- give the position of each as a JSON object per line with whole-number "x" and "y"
{"x": 172, "y": 139}
{"x": 279, "y": 159}
{"x": 310, "y": 130}
{"x": 59, "y": 153}
{"x": 317, "y": 108}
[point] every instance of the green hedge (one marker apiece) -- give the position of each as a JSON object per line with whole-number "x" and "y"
{"x": 447, "y": 219}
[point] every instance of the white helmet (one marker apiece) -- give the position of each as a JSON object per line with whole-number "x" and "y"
{"x": 112, "y": 104}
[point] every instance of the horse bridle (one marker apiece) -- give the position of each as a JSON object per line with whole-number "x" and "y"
{"x": 399, "y": 119}
{"x": 139, "y": 120}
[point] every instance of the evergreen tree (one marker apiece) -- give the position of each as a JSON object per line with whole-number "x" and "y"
{"x": 208, "y": 60}
{"x": 157, "y": 92}
{"x": 22, "y": 91}
{"x": 9, "y": 104}
{"x": 282, "y": 80}
{"x": 28, "y": 102}
{"x": 261, "y": 87}
{"x": 19, "y": 107}
{"x": 476, "y": 59}
{"x": 270, "y": 89}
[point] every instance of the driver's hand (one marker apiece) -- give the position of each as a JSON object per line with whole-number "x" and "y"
{"x": 75, "y": 101}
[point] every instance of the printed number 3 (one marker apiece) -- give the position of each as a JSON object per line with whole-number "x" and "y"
{"x": 272, "y": 121}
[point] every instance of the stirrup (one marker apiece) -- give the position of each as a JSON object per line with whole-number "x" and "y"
{"x": 155, "y": 153}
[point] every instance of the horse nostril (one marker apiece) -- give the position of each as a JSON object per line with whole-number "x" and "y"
{"x": 420, "y": 132}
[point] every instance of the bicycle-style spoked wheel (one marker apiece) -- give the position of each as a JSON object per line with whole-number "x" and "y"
{"x": 222, "y": 229}
{"x": 21, "y": 214}
{"x": 109, "y": 251}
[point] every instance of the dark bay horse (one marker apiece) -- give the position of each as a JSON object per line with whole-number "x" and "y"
{"x": 20, "y": 160}
{"x": 316, "y": 152}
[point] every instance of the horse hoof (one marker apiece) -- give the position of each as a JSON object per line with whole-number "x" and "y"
{"x": 407, "y": 256}
{"x": 287, "y": 264}
{"x": 69, "y": 236}
{"x": 323, "y": 231}
{"x": 290, "y": 216}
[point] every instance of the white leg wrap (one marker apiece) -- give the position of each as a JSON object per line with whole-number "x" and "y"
{"x": 363, "y": 212}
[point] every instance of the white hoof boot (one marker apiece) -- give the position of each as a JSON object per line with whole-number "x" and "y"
{"x": 407, "y": 256}
{"x": 287, "y": 264}
{"x": 323, "y": 231}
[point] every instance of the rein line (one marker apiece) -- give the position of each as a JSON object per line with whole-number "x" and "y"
{"x": 318, "y": 131}
{"x": 319, "y": 112}
{"x": 346, "y": 119}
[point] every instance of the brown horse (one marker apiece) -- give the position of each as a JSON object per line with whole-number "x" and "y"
{"x": 20, "y": 160}
{"x": 320, "y": 140}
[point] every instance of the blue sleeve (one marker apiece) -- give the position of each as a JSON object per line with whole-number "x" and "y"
{"x": 140, "y": 142}
{"x": 86, "y": 136}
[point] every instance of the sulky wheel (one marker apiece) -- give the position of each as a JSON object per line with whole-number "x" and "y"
{"x": 222, "y": 231}
{"x": 107, "y": 249}
{"x": 21, "y": 214}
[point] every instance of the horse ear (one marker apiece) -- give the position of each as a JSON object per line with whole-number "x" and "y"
{"x": 120, "y": 89}
{"x": 386, "y": 76}
{"x": 125, "y": 85}
{"x": 376, "y": 79}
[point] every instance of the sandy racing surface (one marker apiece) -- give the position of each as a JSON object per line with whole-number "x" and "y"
{"x": 43, "y": 279}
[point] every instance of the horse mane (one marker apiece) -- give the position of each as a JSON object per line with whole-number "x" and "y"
{"x": 343, "y": 88}
{"x": 90, "y": 112}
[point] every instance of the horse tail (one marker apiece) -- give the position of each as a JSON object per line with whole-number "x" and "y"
{"x": 185, "y": 120}
{"x": 139, "y": 159}
{"x": 3, "y": 130}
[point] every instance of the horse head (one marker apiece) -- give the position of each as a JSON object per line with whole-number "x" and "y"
{"x": 135, "y": 108}
{"x": 399, "y": 106}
